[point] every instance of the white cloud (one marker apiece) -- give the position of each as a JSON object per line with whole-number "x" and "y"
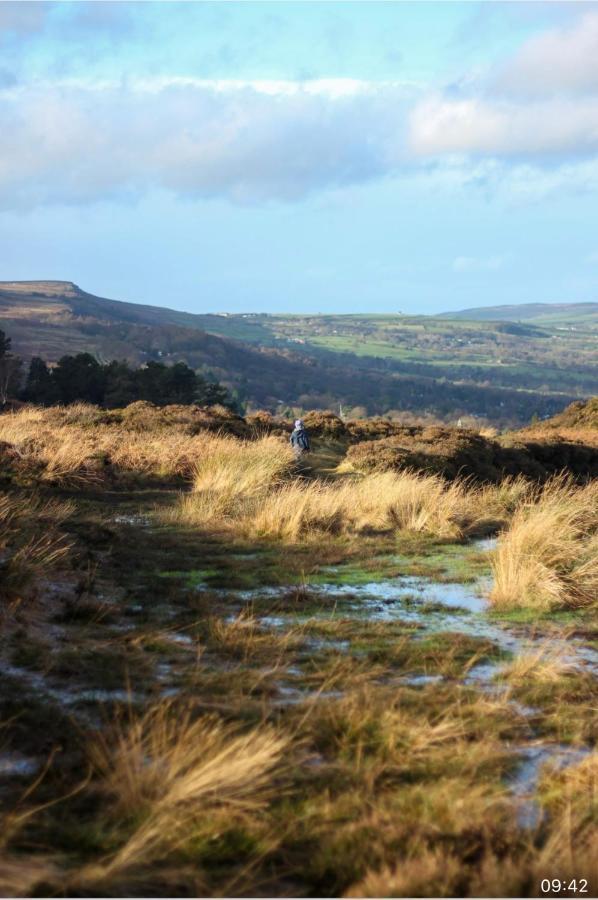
{"x": 73, "y": 141}
{"x": 248, "y": 141}
{"x": 560, "y": 60}
{"x": 532, "y": 125}
{"x": 487, "y": 127}
{"x": 478, "y": 264}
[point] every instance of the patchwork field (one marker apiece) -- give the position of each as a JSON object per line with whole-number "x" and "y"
{"x": 224, "y": 672}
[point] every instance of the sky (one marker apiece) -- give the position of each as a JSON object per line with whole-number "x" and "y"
{"x": 334, "y": 157}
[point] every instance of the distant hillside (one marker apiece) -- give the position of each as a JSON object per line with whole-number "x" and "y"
{"x": 501, "y": 372}
{"x": 51, "y": 301}
{"x": 557, "y": 312}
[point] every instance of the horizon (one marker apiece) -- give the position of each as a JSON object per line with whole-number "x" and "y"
{"x": 322, "y": 158}
{"x": 282, "y": 312}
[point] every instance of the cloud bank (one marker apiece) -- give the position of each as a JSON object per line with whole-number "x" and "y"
{"x": 531, "y": 123}
{"x": 562, "y": 60}
{"x": 247, "y": 141}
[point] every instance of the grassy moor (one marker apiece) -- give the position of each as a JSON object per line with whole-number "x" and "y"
{"x": 224, "y": 671}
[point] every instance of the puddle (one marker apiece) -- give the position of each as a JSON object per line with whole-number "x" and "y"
{"x": 291, "y": 695}
{"x": 420, "y": 680}
{"x": 179, "y": 637}
{"x": 16, "y": 765}
{"x": 524, "y": 782}
{"x": 420, "y": 590}
{"x": 38, "y": 684}
{"x": 101, "y": 696}
{"x": 485, "y": 544}
{"x": 463, "y": 609}
{"x": 433, "y": 607}
{"x": 133, "y": 519}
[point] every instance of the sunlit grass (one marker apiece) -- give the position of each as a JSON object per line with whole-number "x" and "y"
{"x": 549, "y": 555}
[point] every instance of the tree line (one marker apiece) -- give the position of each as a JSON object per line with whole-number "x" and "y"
{"x": 115, "y": 384}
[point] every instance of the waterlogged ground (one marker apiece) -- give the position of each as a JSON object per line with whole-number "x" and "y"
{"x": 303, "y": 637}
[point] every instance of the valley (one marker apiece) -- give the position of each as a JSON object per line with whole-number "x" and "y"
{"x": 501, "y": 373}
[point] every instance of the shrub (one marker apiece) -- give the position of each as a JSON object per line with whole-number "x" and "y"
{"x": 324, "y": 424}
{"x": 455, "y": 452}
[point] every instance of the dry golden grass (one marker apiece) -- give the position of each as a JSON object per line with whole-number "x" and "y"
{"x": 242, "y": 486}
{"x": 21, "y": 875}
{"x": 564, "y": 847}
{"x": 247, "y": 485}
{"x": 31, "y": 543}
{"x": 541, "y": 665}
{"x": 168, "y": 770}
{"x": 244, "y": 637}
{"x": 79, "y": 444}
{"x": 229, "y": 476}
{"x": 430, "y": 873}
{"x": 572, "y": 792}
{"x": 549, "y": 555}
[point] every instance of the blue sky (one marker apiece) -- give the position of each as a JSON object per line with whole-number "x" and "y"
{"x": 302, "y": 157}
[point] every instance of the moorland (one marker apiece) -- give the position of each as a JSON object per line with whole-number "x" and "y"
{"x": 226, "y": 672}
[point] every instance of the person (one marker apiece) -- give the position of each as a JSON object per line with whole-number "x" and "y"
{"x": 300, "y": 439}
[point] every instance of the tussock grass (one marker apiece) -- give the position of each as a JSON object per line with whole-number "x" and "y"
{"x": 563, "y": 848}
{"x": 230, "y": 476}
{"x": 21, "y": 875}
{"x": 167, "y": 771}
{"x": 573, "y": 791}
{"x": 31, "y": 543}
{"x": 248, "y": 488}
{"x": 379, "y": 502}
{"x": 243, "y": 637}
{"x": 81, "y": 444}
{"x": 431, "y": 873}
{"x": 394, "y": 733}
{"x": 549, "y": 555}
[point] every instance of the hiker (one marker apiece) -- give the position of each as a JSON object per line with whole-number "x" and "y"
{"x": 300, "y": 439}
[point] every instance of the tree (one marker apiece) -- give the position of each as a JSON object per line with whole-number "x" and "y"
{"x": 79, "y": 377}
{"x": 121, "y": 387}
{"x": 10, "y": 370}
{"x": 114, "y": 384}
{"x": 163, "y": 384}
{"x": 40, "y": 386}
{"x": 180, "y": 383}
{"x": 4, "y": 344}
{"x": 212, "y": 393}
{"x": 151, "y": 382}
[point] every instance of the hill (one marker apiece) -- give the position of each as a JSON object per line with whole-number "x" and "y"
{"x": 53, "y": 301}
{"x": 586, "y": 313}
{"x": 502, "y": 372}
